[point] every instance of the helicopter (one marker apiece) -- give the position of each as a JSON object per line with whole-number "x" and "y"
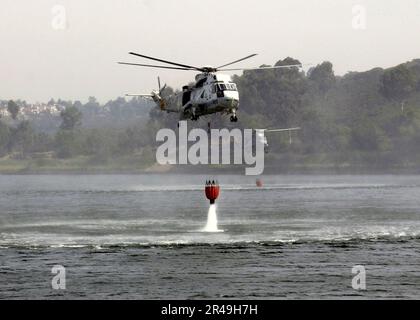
{"x": 263, "y": 138}
{"x": 211, "y": 93}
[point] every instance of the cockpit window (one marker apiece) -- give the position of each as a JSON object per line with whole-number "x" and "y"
{"x": 200, "y": 83}
{"x": 231, "y": 86}
{"x": 227, "y": 87}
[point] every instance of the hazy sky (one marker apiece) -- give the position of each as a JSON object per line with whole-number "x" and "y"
{"x": 40, "y": 59}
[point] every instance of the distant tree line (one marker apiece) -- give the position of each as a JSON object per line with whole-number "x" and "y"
{"x": 19, "y": 139}
{"x": 367, "y": 118}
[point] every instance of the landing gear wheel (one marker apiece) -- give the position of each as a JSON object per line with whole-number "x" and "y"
{"x": 194, "y": 118}
{"x": 233, "y": 119}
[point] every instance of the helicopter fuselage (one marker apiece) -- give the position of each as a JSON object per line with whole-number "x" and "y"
{"x": 212, "y": 93}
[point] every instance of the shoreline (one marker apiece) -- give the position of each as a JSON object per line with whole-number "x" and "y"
{"x": 139, "y": 165}
{"x": 205, "y": 170}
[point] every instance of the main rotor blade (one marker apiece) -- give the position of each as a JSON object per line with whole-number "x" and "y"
{"x": 228, "y": 64}
{"x": 153, "y": 66}
{"x": 165, "y": 61}
{"x": 263, "y": 68}
{"x": 282, "y": 130}
{"x": 144, "y": 95}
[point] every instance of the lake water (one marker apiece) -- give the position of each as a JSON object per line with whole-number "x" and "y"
{"x": 140, "y": 237}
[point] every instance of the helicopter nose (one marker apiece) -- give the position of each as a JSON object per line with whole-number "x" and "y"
{"x": 231, "y": 102}
{"x": 231, "y": 99}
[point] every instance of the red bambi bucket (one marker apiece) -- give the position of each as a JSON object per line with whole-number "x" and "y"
{"x": 212, "y": 191}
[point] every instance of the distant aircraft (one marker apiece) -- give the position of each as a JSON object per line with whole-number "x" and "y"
{"x": 262, "y": 137}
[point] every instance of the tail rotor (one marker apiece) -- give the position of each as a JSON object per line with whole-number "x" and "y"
{"x": 161, "y": 101}
{"x": 161, "y": 89}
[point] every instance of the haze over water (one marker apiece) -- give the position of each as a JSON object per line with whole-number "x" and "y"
{"x": 125, "y": 236}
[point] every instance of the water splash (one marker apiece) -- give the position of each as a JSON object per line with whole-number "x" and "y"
{"x": 211, "y": 225}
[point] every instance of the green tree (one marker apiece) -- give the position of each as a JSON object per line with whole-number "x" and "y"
{"x": 277, "y": 93}
{"x": 4, "y": 138}
{"x": 99, "y": 143}
{"x": 92, "y": 107}
{"x": 323, "y": 76}
{"x": 22, "y": 138}
{"x": 71, "y": 118}
{"x": 13, "y": 109}
{"x": 367, "y": 136}
{"x": 67, "y": 144}
{"x": 397, "y": 83}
